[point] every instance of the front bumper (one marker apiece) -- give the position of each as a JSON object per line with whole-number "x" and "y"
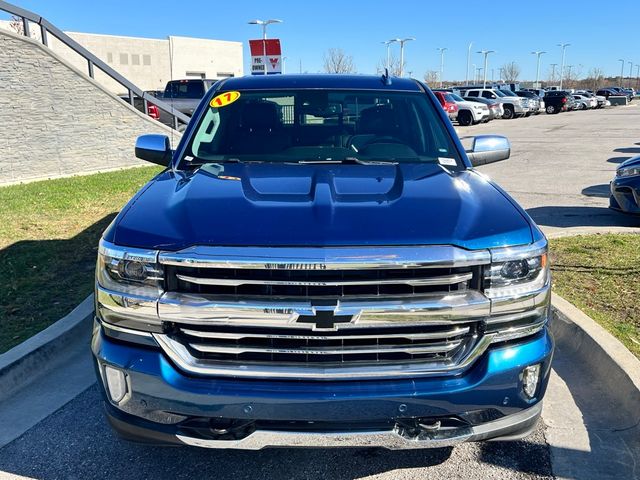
{"x": 164, "y": 405}
{"x": 625, "y": 195}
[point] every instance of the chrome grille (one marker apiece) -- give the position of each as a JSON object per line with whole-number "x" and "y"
{"x": 323, "y": 313}
{"x": 291, "y": 283}
{"x": 352, "y": 344}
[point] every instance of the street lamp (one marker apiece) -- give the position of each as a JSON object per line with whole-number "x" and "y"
{"x": 621, "y": 71}
{"x": 475, "y": 73}
{"x": 263, "y": 24}
{"x": 388, "y": 43}
{"x": 630, "y": 72}
{"x": 441, "y": 50}
{"x": 538, "y": 53}
{"x": 466, "y": 80}
{"x": 637, "y": 76}
{"x": 564, "y": 47}
{"x": 402, "y": 41}
{"x": 486, "y": 54}
{"x": 284, "y": 64}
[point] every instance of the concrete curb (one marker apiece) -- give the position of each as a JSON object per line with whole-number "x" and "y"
{"x": 576, "y": 231}
{"x": 605, "y": 355}
{"x": 24, "y": 362}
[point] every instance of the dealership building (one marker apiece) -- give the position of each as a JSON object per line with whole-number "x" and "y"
{"x": 150, "y": 63}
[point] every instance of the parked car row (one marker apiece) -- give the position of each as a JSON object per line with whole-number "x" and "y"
{"x": 510, "y": 101}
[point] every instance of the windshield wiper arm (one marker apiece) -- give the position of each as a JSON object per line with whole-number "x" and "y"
{"x": 348, "y": 161}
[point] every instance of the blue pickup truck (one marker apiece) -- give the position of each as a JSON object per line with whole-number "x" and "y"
{"x": 320, "y": 265}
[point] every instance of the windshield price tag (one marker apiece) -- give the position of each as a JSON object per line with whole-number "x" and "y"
{"x": 224, "y": 99}
{"x": 451, "y": 162}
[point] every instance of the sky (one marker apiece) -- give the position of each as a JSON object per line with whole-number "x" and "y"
{"x": 359, "y": 28}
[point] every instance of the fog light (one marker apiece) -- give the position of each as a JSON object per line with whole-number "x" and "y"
{"x": 530, "y": 377}
{"x": 116, "y": 383}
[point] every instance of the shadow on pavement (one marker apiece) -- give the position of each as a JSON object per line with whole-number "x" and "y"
{"x": 618, "y": 159}
{"x": 43, "y": 280}
{"x": 77, "y": 442}
{"x": 612, "y": 444}
{"x": 560, "y": 216}
{"x": 602, "y": 191}
{"x": 627, "y": 150}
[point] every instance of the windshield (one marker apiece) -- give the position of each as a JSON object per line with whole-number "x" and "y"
{"x": 457, "y": 98}
{"x": 508, "y": 93}
{"x": 499, "y": 93}
{"x": 320, "y": 126}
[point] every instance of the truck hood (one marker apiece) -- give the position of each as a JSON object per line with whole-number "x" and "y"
{"x": 320, "y": 205}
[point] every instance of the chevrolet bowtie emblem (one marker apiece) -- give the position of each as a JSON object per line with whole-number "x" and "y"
{"x": 325, "y": 319}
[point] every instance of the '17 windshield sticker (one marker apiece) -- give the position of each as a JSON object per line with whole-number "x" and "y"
{"x": 224, "y": 99}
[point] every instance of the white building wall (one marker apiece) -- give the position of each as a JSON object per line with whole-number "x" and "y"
{"x": 147, "y": 62}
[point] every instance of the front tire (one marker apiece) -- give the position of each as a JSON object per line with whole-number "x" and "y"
{"x": 508, "y": 112}
{"x": 464, "y": 118}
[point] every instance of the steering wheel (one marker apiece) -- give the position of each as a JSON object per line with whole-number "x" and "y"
{"x": 376, "y": 139}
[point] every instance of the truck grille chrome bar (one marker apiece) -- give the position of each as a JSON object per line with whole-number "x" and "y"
{"x": 323, "y": 313}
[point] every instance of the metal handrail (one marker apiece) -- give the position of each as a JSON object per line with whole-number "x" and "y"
{"x": 93, "y": 62}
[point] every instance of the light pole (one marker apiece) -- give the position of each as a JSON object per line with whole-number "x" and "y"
{"x": 486, "y": 54}
{"x": 264, "y": 24}
{"x": 402, "y": 41}
{"x": 441, "y": 50}
{"x": 478, "y": 70}
{"x": 564, "y": 47}
{"x": 538, "y": 53}
{"x": 630, "y": 72}
{"x": 637, "y": 76}
{"x": 475, "y": 73}
{"x": 388, "y": 44}
{"x": 621, "y": 71}
{"x": 284, "y": 64}
{"x": 466, "y": 80}
{"x": 569, "y": 73}
{"x": 493, "y": 71}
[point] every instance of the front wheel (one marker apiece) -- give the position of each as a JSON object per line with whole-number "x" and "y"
{"x": 508, "y": 112}
{"x": 551, "y": 109}
{"x": 464, "y": 118}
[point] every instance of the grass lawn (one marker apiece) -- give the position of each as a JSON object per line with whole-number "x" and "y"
{"x": 600, "y": 274}
{"x": 49, "y": 233}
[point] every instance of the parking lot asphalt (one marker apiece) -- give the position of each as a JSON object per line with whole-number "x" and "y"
{"x": 76, "y": 442}
{"x": 561, "y": 165}
{"x": 559, "y": 169}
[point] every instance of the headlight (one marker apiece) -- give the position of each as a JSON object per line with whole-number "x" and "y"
{"x": 628, "y": 171}
{"x": 517, "y": 271}
{"x": 129, "y": 270}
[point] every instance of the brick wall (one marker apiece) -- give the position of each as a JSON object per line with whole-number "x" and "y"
{"x": 56, "y": 121}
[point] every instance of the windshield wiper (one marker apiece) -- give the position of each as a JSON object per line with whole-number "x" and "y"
{"x": 346, "y": 161}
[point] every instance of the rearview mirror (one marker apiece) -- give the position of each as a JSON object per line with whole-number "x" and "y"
{"x": 154, "y": 148}
{"x": 489, "y": 149}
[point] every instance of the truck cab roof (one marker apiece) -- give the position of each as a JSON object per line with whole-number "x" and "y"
{"x": 329, "y": 81}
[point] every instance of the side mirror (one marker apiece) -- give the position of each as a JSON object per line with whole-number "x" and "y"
{"x": 154, "y": 148}
{"x": 489, "y": 149}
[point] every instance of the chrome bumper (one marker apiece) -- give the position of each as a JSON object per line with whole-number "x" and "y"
{"x": 511, "y": 427}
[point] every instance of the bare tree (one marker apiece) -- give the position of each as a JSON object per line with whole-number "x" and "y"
{"x": 16, "y": 25}
{"x": 394, "y": 65}
{"x": 337, "y": 61}
{"x": 595, "y": 77}
{"x": 510, "y": 72}
{"x": 432, "y": 77}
